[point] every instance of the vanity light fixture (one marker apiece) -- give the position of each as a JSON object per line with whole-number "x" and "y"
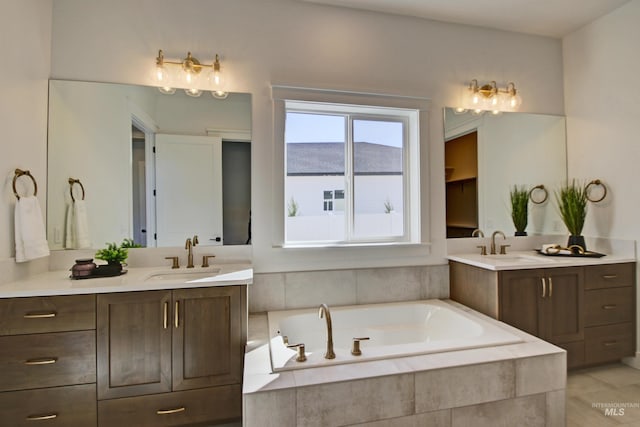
{"x": 489, "y": 97}
{"x": 188, "y": 74}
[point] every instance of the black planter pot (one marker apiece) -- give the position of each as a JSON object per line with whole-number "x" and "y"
{"x": 110, "y": 269}
{"x": 577, "y": 241}
{"x": 520, "y": 233}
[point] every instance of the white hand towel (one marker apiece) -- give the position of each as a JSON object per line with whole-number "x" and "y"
{"x": 30, "y": 235}
{"x": 554, "y": 249}
{"x": 77, "y": 226}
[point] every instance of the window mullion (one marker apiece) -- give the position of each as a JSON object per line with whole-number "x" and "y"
{"x": 348, "y": 174}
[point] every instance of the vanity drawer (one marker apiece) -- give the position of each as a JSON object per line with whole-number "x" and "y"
{"x": 72, "y": 406}
{"x": 173, "y": 409}
{"x": 609, "y": 343}
{"x": 47, "y": 314}
{"x": 609, "y": 276}
{"x": 607, "y": 306}
{"x": 47, "y": 360}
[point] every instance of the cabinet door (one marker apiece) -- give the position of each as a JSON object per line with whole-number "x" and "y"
{"x": 133, "y": 343}
{"x": 207, "y": 337}
{"x": 564, "y": 305}
{"x": 520, "y": 300}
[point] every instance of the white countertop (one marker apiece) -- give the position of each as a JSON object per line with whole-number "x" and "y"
{"x": 520, "y": 260}
{"x": 136, "y": 279}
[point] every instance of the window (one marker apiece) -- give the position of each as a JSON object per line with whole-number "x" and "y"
{"x": 352, "y": 173}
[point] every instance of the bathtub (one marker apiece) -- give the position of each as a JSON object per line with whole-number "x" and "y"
{"x": 394, "y": 330}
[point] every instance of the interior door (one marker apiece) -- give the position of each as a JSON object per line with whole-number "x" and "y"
{"x": 188, "y": 189}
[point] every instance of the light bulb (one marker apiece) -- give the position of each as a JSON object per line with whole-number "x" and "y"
{"x": 515, "y": 101}
{"x": 475, "y": 98}
{"x": 216, "y": 77}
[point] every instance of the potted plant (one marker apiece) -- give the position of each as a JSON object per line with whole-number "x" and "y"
{"x": 519, "y": 209}
{"x": 115, "y": 256}
{"x": 572, "y": 203}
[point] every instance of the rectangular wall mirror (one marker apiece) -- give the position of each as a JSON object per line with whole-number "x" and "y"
{"x": 486, "y": 155}
{"x": 150, "y": 167}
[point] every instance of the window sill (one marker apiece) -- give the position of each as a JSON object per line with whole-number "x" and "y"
{"x": 363, "y": 245}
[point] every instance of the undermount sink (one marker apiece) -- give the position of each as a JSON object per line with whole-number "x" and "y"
{"x": 183, "y": 275}
{"x": 514, "y": 257}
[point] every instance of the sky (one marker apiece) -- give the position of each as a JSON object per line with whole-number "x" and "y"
{"x": 304, "y": 127}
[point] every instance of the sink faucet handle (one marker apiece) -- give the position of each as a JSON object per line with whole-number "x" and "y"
{"x": 175, "y": 263}
{"x": 301, "y": 357}
{"x": 483, "y": 249}
{"x": 503, "y": 249}
{"x": 355, "y": 350}
{"x": 205, "y": 260}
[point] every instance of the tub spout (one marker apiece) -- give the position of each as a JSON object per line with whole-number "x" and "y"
{"x": 324, "y": 311}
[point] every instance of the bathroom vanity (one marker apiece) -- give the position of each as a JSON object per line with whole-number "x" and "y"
{"x": 129, "y": 350}
{"x": 584, "y": 305}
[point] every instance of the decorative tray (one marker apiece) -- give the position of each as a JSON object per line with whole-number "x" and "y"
{"x": 98, "y": 275}
{"x": 585, "y": 254}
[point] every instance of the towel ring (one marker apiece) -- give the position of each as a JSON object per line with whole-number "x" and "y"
{"x": 19, "y": 173}
{"x": 75, "y": 181}
{"x": 604, "y": 190}
{"x": 542, "y": 188}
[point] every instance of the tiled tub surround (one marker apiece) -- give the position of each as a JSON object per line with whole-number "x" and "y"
{"x": 283, "y": 291}
{"x": 516, "y": 384}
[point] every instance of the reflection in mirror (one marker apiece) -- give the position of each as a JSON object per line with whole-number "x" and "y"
{"x": 156, "y": 168}
{"x": 486, "y": 155}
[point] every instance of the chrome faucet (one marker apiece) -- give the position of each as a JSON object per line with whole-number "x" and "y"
{"x": 188, "y": 245}
{"x": 493, "y": 240}
{"x": 324, "y": 310}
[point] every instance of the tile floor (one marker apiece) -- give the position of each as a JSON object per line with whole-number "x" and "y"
{"x": 591, "y": 390}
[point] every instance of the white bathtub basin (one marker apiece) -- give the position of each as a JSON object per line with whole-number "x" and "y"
{"x": 394, "y": 330}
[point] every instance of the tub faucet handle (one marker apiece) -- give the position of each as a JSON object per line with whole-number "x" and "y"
{"x": 356, "y": 346}
{"x": 301, "y": 357}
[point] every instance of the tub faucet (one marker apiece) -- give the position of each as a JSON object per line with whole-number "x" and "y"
{"x": 493, "y": 240}
{"x": 324, "y": 310}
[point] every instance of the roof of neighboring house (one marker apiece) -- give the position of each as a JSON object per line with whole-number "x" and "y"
{"x": 327, "y": 158}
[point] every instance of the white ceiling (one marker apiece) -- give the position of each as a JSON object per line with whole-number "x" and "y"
{"x": 553, "y": 18}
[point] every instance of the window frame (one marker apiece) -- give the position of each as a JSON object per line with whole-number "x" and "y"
{"x": 416, "y": 169}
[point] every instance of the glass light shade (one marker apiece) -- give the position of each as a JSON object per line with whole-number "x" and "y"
{"x": 167, "y": 90}
{"x": 515, "y": 101}
{"x": 193, "y": 92}
{"x": 218, "y": 94}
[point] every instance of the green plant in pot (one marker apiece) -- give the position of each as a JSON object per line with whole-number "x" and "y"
{"x": 519, "y": 209}
{"x": 115, "y": 256}
{"x": 572, "y": 203}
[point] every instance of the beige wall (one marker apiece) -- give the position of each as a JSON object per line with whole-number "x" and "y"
{"x": 295, "y": 43}
{"x": 25, "y": 47}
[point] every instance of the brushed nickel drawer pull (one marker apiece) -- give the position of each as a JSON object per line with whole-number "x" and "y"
{"x": 610, "y": 343}
{"x": 609, "y": 276}
{"x": 42, "y": 361}
{"x": 165, "y": 315}
{"x": 550, "y": 287}
{"x": 175, "y": 314}
{"x": 43, "y": 315}
{"x": 170, "y": 411}
{"x": 544, "y": 288}
{"x": 609, "y": 306}
{"x": 41, "y": 417}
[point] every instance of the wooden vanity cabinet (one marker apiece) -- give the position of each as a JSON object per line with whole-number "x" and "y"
{"x": 589, "y": 311}
{"x": 153, "y": 346}
{"x": 48, "y": 361}
{"x": 547, "y": 303}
